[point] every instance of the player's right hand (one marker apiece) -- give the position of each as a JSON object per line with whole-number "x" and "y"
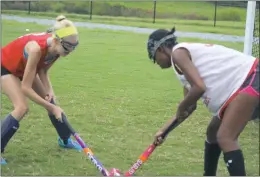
{"x": 57, "y": 112}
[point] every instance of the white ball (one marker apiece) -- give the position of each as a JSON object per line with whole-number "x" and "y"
{"x": 27, "y": 30}
{"x": 115, "y": 172}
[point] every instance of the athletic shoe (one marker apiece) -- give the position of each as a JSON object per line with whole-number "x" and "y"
{"x": 3, "y": 162}
{"x": 70, "y": 145}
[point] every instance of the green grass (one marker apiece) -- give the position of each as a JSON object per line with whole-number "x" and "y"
{"x": 117, "y": 99}
{"x": 223, "y": 27}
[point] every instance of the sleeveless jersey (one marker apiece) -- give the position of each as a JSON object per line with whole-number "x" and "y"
{"x": 14, "y": 57}
{"x": 222, "y": 69}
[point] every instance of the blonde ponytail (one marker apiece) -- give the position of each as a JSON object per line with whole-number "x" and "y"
{"x": 61, "y": 23}
{"x": 60, "y": 18}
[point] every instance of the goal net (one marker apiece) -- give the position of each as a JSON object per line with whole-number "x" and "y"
{"x": 252, "y": 38}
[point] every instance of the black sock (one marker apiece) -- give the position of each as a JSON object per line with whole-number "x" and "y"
{"x": 235, "y": 163}
{"x": 211, "y": 156}
{"x": 60, "y": 127}
{"x": 8, "y": 128}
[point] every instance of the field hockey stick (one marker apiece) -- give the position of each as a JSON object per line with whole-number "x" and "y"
{"x": 86, "y": 149}
{"x": 145, "y": 155}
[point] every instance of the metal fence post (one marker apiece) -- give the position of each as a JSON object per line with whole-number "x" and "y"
{"x": 215, "y": 15}
{"x": 90, "y": 12}
{"x": 29, "y": 7}
{"x": 154, "y": 10}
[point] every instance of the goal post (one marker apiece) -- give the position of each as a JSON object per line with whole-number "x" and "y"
{"x": 251, "y": 40}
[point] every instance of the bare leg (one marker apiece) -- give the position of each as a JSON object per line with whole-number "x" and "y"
{"x": 11, "y": 87}
{"x": 236, "y": 117}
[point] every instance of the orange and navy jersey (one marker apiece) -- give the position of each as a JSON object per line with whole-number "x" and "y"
{"x": 14, "y": 56}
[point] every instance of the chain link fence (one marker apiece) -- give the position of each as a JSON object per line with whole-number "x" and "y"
{"x": 151, "y": 12}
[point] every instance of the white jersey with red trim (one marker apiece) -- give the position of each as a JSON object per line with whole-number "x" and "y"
{"x": 222, "y": 69}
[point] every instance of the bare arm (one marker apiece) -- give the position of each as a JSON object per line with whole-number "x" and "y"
{"x": 182, "y": 59}
{"x": 45, "y": 79}
{"x": 185, "y": 92}
{"x": 34, "y": 52}
{"x": 192, "y": 107}
{"x": 170, "y": 122}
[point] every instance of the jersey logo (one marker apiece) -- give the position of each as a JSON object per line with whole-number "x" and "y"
{"x": 25, "y": 54}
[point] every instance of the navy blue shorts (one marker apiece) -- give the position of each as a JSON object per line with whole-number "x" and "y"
{"x": 4, "y": 71}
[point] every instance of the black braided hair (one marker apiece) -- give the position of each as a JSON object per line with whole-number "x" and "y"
{"x": 161, "y": 38}
{"x": 170, "y": 43}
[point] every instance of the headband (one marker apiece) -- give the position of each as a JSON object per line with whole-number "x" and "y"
{"x": 154, "y": 45}
{"x": 67, "y": 31}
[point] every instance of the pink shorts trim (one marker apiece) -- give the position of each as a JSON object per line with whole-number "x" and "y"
{"x": 249, "y": 89}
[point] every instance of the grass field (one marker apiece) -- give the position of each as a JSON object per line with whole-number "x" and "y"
{"x": 117, "y": 99}
{"x": 223, "y": 27}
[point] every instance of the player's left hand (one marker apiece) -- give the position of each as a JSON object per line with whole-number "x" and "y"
{"x": 49, "y": 97}
{"x": 158, "y": 140}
